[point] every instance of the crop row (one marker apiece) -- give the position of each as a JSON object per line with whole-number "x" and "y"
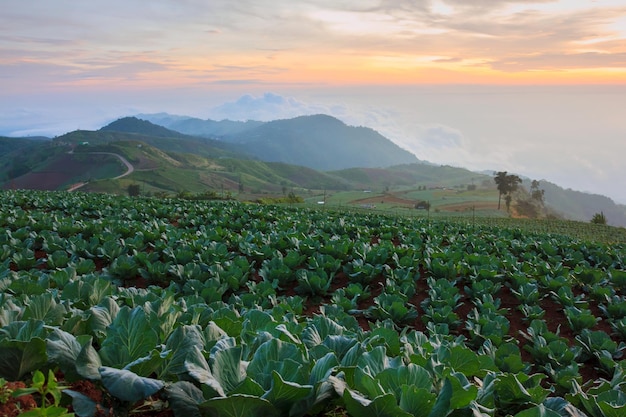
{"x": 233, "y": 309}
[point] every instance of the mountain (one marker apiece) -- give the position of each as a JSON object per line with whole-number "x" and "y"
{"x": 49, "y": 165}
{"x": 320, "y": 142}
{"x": 304, "y": 154}
{"x": 134, "y": 129}
{"x": 323, "y": 143}
{"x": 223, "y": 129}
{"x": 8, "y": 145}
{"x": 142, "y": 127}
{"x": 16, "y": 155}
{"x": 164, "y": 160}
{"x": 577, "y": 205}
{"x": 162, "y": 119}
{"x": 408, "y": 175}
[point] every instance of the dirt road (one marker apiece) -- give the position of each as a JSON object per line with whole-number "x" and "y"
{"x": 129, "y": 169}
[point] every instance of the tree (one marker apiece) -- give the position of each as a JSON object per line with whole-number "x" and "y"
{"x": 134, "y": 190}
{"x": 506, "y": 185}
{"x": 507, "y": 201}
{"x": 422, "y": 205}
{"x": 528, "y": 208}
{"x": 535, "y": 192}
{"x": 531, "y": 206}
{"x": 598, "y": 218}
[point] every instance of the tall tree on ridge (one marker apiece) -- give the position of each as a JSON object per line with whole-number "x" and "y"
{"x": 506, "y": 184}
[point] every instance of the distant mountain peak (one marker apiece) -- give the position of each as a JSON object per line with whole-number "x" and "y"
{"x": 316, "y": 141}
{"x": 319, "y": 118}
{"x": 132, "y": 124}
{"x": 322, "y": 142}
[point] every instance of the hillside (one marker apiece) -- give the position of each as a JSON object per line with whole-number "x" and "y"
{"x": 162, "y": 163}
{"x": 408, "y": 175}
{"x": 169, "y": 161}
{"x": 51, "y": 166}
{"x": 8, "y": 145}
{"x": 577, "y": 205}
{"x": 12, "y": 156}
{"x": 177, "y": 143}
{"x": 320, "y": 142}
{"x": 142, "y": 127}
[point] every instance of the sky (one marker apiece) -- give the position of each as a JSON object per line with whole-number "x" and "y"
{"x": 533, "y": 87}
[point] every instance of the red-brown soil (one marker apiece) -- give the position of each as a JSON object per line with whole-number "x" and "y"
{"x": 15, "y": 406}
{"x": 104, "y": 408}
{"x": 41, "y": 180}
{"x": 554, "y": 314}
{"x": 59, "y": 172}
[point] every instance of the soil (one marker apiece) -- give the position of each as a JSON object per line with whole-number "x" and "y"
{"x": 100, "y": 264}
{"x": 15, "y": 406}
{"x": 554, "y": 316}
{"x": 41, "y": 180}
{"x": 104, "y": 406}
{"x": 88, "y": 389}
{"x": 137, "y": 282}
{"x": 59, "y": 172}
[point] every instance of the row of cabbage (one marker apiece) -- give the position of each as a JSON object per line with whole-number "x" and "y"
{"x": 214, "y": 341}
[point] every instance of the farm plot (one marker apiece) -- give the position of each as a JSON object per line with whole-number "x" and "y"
{"x": 169, "y": 307}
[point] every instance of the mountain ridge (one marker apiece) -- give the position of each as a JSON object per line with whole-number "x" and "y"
{"x": 131, "y": 124}
{"x": 319, "y": 141}
{"x": 572, "y": 204}
{"x": 202, "y": 163}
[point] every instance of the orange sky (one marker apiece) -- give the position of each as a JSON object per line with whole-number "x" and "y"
{"x": 47, "y": 45}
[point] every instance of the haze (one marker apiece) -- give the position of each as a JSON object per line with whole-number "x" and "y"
{"x": 532, "y": 87}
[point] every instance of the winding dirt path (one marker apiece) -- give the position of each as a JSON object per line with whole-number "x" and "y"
{"x": 129, "y": 169}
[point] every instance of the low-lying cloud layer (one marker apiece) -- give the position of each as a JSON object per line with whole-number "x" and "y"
{"x": 573, "y": 136}
{"x": 558, "y": 135}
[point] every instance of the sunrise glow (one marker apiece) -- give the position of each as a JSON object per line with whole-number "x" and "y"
{"x": 165, "y": 44}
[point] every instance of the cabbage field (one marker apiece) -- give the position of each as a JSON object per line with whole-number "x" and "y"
{"x": 114, "y": 306}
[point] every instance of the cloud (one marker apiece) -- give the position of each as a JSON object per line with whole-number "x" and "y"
{"x": 572, "y": 136}
{"x": 561, "y": 61}
{"x": 13, "y": 122}
{"x": 22, "y": 122}
{"x": 440, "y": 136}
{"x": 267, "y": 107}
{"x": 425, "y": 140}
{"x": 249, "y": 40}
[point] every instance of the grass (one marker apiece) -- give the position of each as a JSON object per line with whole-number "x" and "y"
{"x": 584, "y": 231}
{"x": 478, "y": 202}
{"x": 447, "y": 194}
{"x": 190, "y": 180}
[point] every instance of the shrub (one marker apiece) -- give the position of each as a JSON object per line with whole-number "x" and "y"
{"x": 598, "y": 218}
